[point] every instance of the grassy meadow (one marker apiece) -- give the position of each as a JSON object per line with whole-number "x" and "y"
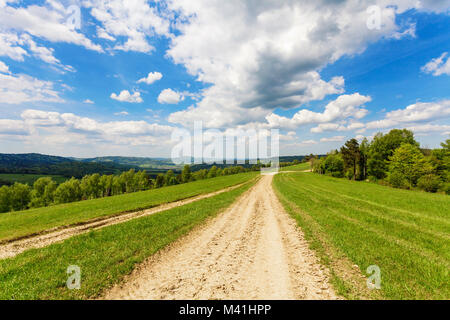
{"x": 104, "y": 256}
{"x": 353, "y": 225}
{"x": 299, "y": 167}
{"x": 22, "y": 223}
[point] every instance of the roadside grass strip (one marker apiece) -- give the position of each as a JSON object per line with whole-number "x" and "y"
{"x": 15, "y": 225}
{"x": 405, "y": 233}
{"x": 104, "y": 256}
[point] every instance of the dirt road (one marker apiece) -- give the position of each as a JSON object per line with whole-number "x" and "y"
{"x": 253, "y": 250}
{"x": 13, "y": 248}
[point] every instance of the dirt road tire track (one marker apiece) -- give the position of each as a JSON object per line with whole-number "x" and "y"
{"x": 14, "y": 248}
{"x": 253, "y": 250}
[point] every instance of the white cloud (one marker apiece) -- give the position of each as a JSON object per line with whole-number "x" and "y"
{"x": 438, "y": 66}
{"x": 55, "y": 123}
{"x": 415, "y": 113}
{"x": 10, "y": 46}
{"x": 16, "y": 89}
{"x": 101, "y": 33}
{"x": 48, "y": 23}
{"x": 426, "y": 128}
{"x": 333, "y": 139}
{"x": 345, "y": 106}
{"x": 152, "y": 77}
{"x": 122, "y": 113}
{"x": 168, "y": 96}
{"x": 126, "y": 96}
{"x": 13, "y": 127}
{"x": 337, "y": 127}
{"x": 3, "y": 67}
{"x": 264, "y": 55}
{"x": 133, "y": 19}
{"x": 88, "y": 101}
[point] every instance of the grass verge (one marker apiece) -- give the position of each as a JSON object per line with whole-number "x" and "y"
{"x": 299, "y": 167}
{"x": 353, "y": 225}
{"x": 18, "y": 224}
{"x": 104, "y": 256}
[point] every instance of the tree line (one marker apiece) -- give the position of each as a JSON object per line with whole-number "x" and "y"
{"x": 395, "y": 159}
{"x": 46, "y": 192}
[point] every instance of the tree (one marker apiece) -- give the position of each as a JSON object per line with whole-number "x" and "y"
{"x": 159, "y": 181}
{"x": 141, "y": 181}
{"x": 43, "y": 192}
{"x": 407, "y": 161}
{"x": 186, "y": 174}
{"x": 333, "y": 165}
{"x": 363, "y": 155}
{"x": 351, "y": 156}
{"x": 5, "y": 199}
{"x": 106, "y": 185}
{"x": 69, "y": 191}
{"x": 383, "y": 147}
{"x": 127, "y": 180}
{"x": 446, "y": 145}
{"x": 169, "y": 178}
{"x": 212, "y": 173}
{"x": 90, "y": 186}
{"x": 20, "y": 196}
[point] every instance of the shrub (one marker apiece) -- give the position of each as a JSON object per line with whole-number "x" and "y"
{"x": 429, "y": 183}
{"x": 397, "y": 180}
{"x": 446, "y": 188}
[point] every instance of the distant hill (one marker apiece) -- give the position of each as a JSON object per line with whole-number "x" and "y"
{"x": 40, "y": 164}
{"x": 144, "y": 163}
{"x": 34, "y": 163}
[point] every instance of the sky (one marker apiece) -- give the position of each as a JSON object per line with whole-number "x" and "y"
{"x": 99, "y": 78}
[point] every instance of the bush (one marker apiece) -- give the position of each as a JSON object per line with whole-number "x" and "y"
{"x": 446, "y": 188}
{"x": 397, "y": 180}
{"x": 429, "y": 183}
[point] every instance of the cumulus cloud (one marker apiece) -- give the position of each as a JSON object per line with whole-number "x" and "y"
{"x": 16, "y": 89}
{"x": 265, "y": 55}
{"x": 168, "y": 96}
{"x": 88, "y": 101}
{"x": 122, "y": 113}
{"x": 13, "y": 127}
{"x": 415, "y": 113}
{"x": 54, "y": 124}
{"x": 333, "y": 139}
{"x": 151, "y": 77}
{"x": 3, "y": 67}
{"x": 46, "y": 22}
{"x": 126, "y": 96}
{"x": 438, "y": 66}
{"x": 133, "y": 19}
{"x": 345, "y": 106}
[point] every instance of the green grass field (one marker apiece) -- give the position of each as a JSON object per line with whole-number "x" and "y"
{"x": 22, "y": 223}
{"x": 298, "y": 167}
{"x": 405, "y": 233}
{"x": 104, "y": 256}
{"x": 28, "y": 178}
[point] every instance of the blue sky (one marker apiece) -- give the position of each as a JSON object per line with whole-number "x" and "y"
{"x": 319, "y": 72}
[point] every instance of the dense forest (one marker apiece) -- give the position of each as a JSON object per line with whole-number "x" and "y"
{"x": 34, "y": 163}
{"x": 394, "y": 159}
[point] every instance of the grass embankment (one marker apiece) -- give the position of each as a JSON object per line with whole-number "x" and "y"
{"x": 104, "y": 256}
{"x": 299, "y": 167}
{"x": 405, "y": 233}
{"x": 29, "y": 178}
{"x": 22, "y": 223}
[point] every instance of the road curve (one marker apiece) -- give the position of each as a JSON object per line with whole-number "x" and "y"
{"x": 252, "y": 250}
